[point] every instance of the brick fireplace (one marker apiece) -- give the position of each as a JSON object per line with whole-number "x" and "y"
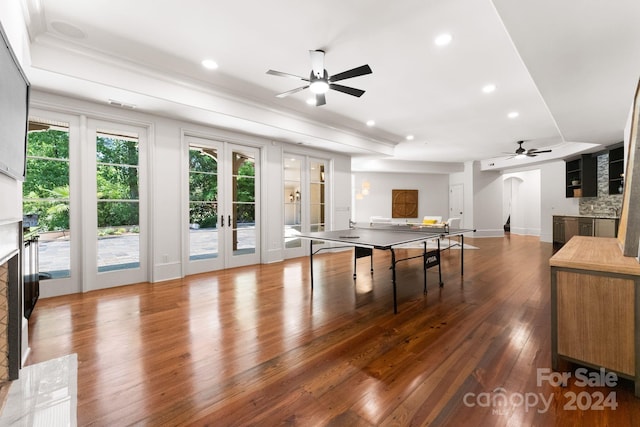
{"x": 10, "y": 300}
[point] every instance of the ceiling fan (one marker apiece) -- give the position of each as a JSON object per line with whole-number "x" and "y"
{"x": 319, "y": 81}
{"x": 522, "y": 152}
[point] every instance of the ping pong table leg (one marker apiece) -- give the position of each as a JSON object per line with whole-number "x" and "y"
{"x": 462, "y": 254}
{"x": 371, "y": 261}
{"x": 311, "y": 261}
{"x": 355, "y": 259}
{"x": 424, "y": 265}
{"x": 439, "y": 265}
{"x": 393, "y": 275}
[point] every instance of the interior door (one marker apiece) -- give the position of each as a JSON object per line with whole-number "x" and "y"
{"x": 456, "y": 202}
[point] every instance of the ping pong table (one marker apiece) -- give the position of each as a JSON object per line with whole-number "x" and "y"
{"x": 389, "y": 238}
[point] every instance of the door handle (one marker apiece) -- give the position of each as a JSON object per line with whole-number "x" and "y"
{"x": 229, "y": 221}
{"x": 221, "y": 220}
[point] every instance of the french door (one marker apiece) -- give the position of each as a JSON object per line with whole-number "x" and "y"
{"x": 223, "y": 229}
{"x": 115, "y": 230}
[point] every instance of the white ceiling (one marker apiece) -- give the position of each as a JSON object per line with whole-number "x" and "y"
{"x": 568, "y": 67}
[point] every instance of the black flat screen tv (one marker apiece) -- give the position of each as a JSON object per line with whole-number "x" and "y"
{"x": 14, "y": 112}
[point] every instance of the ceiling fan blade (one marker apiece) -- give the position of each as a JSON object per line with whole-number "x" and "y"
{"x": 346, "y": 89}
{"x": 354, "y": 72}
{"x": 317, "y": 62}
{"x": 320, "y": 99}
{"x": 281, "y": 74}
{"x": 291, "y": 92}
{"x": 541, "y": 151}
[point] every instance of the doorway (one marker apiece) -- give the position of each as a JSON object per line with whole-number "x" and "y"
{"x": 223, "y": 225}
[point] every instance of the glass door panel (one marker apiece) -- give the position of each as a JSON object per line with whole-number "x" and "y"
{"x": 118, "y": 210}
{"x": 203, "y": 202}
{"x": 243, "y": 190}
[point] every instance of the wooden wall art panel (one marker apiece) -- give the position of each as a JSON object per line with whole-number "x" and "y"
{"x": 404, "y": 203}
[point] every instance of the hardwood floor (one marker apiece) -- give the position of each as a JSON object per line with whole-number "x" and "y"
{"x": 254, "y": 346}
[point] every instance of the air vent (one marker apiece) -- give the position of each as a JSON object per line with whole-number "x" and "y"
{"x": 121, "y": 104}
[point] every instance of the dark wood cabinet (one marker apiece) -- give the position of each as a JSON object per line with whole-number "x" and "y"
{"x": 565, "y": 227}
{"x": 558, "y": 229}
{"x": 582, "y": 176}
{"x": 585, "y": 226}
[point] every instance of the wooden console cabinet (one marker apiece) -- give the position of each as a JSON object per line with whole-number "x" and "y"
{"x": 595, "y": 307}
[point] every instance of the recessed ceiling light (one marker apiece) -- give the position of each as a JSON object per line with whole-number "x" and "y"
{"x": 371, "y": 122}
{"x": 489, "y": 88}
{"x": 209, "y": 64}
{"x": 443, "y": 39}
{"x": 409, "y": 137}
{"x": 513, "y": 114}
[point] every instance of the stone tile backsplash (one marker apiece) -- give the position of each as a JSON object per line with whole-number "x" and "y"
{"x": 605, "y": 204}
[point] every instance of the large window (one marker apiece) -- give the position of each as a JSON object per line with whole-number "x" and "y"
{"x": 117, "y": 178}
{"x": 46, "y": 194}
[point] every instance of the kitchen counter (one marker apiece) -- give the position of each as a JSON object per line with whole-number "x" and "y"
{"x": 595, "y": 309}
{"x": 594, "y": 216}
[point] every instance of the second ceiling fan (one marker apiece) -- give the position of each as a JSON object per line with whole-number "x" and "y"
{"x": 522, "y": 152}
{"x": 319, "y": 81}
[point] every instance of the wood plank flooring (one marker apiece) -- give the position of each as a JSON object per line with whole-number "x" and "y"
{"x": 255, "y": 346}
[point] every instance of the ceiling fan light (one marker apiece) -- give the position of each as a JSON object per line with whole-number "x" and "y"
{"x": 521, "y": 156}
{"x": 319, "y": 86}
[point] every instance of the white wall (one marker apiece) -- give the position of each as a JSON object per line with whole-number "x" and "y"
{"x": 433, "y": 194}
{"x": 341, "y": 192}
{"x": 10, "y": 199}
{"x": 487, "y": 201}
{"x": 553, "y": 200}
